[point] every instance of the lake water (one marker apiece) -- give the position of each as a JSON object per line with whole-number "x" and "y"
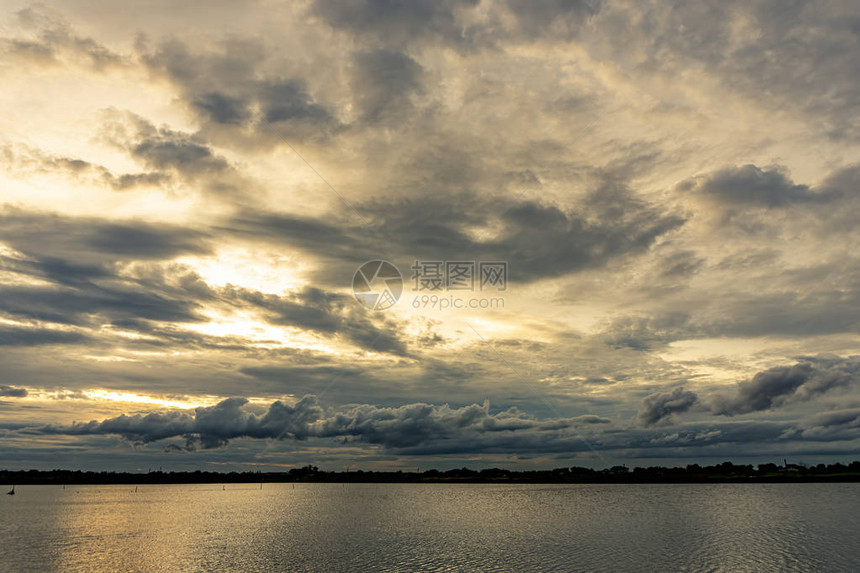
{"x": 430, "y": 527}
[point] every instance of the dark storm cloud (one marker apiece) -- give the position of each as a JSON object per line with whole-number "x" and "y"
{"x": 844, "y": 185}
{"x": 775, "y": 387}
{"x": 235, "y": 64}
{"x": 382, "y": 82}
{"x": 90, "y": 270}
{"x": 222, "y": 108}
{"x": 538, "y": 240}
{"x": 210, "y": 427}
{"x": 287, "y": 101}
{"x": 325, "y": 312}
{"x": 15, "y": 336}
{"x": 843, "y": 424}
{"x": 427, "y": 429}
{"x": 141, "y": 301}
{"x": 163, "y": 149}
{"x": 438, "y": 111}
{"x": 392, "y": 428}
{"x": 93, "y": 272}
{"x": 721, "y": 440}
{"x": 767, "y": 390}
{"x": 752, "y": 185}
{"x": 92, "y": 304}
{"x": 414, "y": 424}
{"x": 169, "y": 149}
{"x": 226, "y": 88}
{"x": 91, "y": 241}
{"x": 657, "y": 407}
{"x": 167, "y": 154}
{"x": 842, "y": 182}
{"x": 12, "y": 392}
{"x": 110, "y": 298}
{"x": 790, "y": 57}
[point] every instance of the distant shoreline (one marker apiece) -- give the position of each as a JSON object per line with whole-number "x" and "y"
{"x": 721, "y": 473}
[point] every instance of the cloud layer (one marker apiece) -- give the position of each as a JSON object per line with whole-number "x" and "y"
{"x": 187, "y": 195}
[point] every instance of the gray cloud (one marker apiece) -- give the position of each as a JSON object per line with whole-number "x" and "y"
{"x": 12, "y": 392}
{"x": 210, "y": 427}
{"x": 426, "y": 430}
{"x": 287, "y": 103}
{"x": 320, "y": 311}
{"x": 496, "y": 130}
{"x": 456, "y": 23}
{"x": 645, "y": 333}
{"x": 397, "y": 22}
{"x": 537, "y": 19}
{"x": 314, "y": 378}
{"x": 660, "y": 406}
{"x": 15, "y": 336}
{"x": 92, "y": 270}
{"x": 127, "y": 181}
{"x": 96, "y": 272}
{"x": 767, "y": 390}
{"x": 161, "y": 148}
{"x": 749, "y": 293}
{"x": 751, "y": 185}
{"x": 538, "y": 240}
{"x": 91, "y": 304}
{"x": 783, "y": 384}
{"x": 784, "y": 56}
{"x": 221, "y": 108}
{"x": 24, "y": 160}
{"x": 382, "y": 82}
{"x": 226, "y": 88}
{"x": 169, "y": 149}
{"x": 54, "y": 42}
{"x": 92, "y": 241}
{"x": 393, "y": 428}
{"x": 843, "y": 424}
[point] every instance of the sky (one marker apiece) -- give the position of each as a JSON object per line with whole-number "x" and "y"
{"x": 667, "y": 193}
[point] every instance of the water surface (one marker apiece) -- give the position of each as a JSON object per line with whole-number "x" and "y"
{"x": 432, "y": 527}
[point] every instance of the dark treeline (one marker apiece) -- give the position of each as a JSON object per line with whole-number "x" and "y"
{"x": 724, "y": 472}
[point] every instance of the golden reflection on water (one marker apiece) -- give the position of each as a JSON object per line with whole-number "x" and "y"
{"x": 431, "y": 527}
